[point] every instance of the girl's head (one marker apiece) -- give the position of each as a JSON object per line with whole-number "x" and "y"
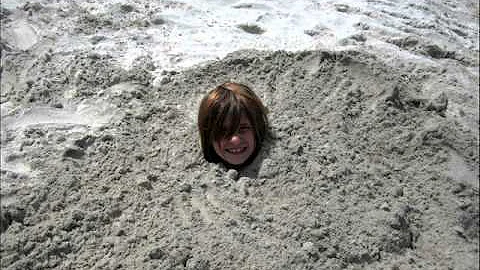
{"x": 232, "y": 122}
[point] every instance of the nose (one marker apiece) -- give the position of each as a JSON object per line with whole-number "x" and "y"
{"x": 235, "y": 139}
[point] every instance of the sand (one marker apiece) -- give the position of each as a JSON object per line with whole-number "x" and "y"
{"x": 370, "y": 163}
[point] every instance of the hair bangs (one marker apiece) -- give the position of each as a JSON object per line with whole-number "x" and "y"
{"x": 229, "y": 112}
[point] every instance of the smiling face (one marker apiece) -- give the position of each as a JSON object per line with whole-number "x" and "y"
{"x": 237, "y": 148}
{"x": 232, "y": 123}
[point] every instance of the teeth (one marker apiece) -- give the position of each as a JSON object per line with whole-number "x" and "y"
{"x": 235, "y": 150}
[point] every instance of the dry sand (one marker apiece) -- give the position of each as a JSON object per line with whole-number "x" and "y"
{"x": 371, "y": 163}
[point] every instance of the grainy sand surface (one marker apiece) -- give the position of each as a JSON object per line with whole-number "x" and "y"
{"x": 372, "y": 161}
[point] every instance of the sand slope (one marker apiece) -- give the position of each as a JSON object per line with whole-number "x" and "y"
{"x": 371, "y": 164}
{"x": 363, "y": 168}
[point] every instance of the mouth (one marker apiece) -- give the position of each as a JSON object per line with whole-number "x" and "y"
{"x": 236, "y": 151}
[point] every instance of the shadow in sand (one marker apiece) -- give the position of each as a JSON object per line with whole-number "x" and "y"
{"x": 252, "y": 170}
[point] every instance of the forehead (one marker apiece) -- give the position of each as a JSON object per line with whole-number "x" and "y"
{"x": 228, "y": 125}
{"x": 243, "y": 120}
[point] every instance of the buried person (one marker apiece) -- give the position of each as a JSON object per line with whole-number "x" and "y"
{"x": 233, "y": 123}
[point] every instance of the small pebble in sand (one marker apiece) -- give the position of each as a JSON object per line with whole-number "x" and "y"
{"x": 165, "y": 201}
{"x": 320, "y": 233}
{"x": 309, "y": 247}
{"x": 144, "y": 183}
{"x": 165, "y": 80}
{"x": 73, "y": 152}
{"x": 153, "y": 177}
{"x": 459, "y": 230}
{"x": 126, "y": 8}
{"x": 158, "y": 21}
{"x": 57, "y": 105}
{"x": 341, "y": 7}
{"x": 243, "y": 184}
{"x": 96, "y": 39}
{"x": 385, "y": 207}
{"x": 156, "y": 253}
{"x": 398, "y": 192}
{"x": 268, "y": 169}
{"x": 232, "y": 174}
{"x": 184, "y": 187}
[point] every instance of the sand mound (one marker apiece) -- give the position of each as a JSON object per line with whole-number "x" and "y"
{"x": 369, "y": 165}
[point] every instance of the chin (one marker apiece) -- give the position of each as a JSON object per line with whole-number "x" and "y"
{"x": 237, "y": 162}
{"x": 241, "y": 162}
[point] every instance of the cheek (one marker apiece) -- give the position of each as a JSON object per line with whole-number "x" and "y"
{"x": 217, "y": 146}
{"x": 251, "y": 139}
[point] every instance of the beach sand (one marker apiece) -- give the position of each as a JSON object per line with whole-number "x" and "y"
{"x": 370, "y": 164}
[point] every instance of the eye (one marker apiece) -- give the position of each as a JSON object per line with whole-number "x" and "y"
{"x": 244, "y": 129}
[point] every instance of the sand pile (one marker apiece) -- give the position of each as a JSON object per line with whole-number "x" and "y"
{"x": 364, "y": 167}
{"x": 371, "y": 164}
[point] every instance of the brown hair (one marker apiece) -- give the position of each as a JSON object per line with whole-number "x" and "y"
{"x": 220, "y": 112}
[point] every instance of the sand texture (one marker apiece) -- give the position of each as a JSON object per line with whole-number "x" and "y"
{"x": 370, "y": 163}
